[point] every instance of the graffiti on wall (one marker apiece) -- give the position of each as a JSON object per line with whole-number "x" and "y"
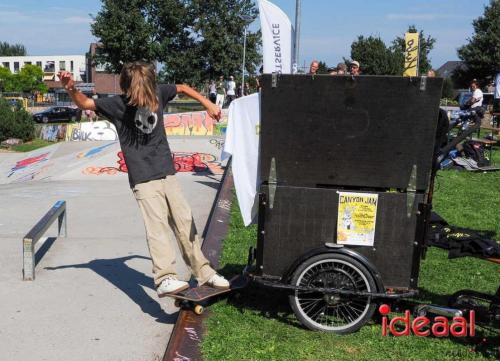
{"x": 101, "y": 130}
{"x": 192, "y": 123}
{"x": 94, "y": 151}
{"x": 27, "y": 169}
{"x": 183, "y": 162}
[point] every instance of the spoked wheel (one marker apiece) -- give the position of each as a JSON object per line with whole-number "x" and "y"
{"x": 332, "y": 312}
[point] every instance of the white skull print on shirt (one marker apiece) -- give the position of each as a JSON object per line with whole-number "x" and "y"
{"x": 145, "y": 120}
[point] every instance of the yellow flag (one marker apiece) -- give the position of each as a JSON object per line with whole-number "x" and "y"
{"x": 411, "y": 54}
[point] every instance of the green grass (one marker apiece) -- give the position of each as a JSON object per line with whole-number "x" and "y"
{"x": 29, "y": 146}
{"x": 258, "y": 324}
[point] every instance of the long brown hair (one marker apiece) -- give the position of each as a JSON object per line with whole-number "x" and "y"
{"x": 138, "y": 82}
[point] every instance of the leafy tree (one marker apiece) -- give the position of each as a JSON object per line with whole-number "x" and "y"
{"x": 5, "y": 78}
{"x": 448, "y": 91}
{"x": 426, "y": 44}
{"x": 15, "y": 123}
{"x": 30, "y": 79}
{"x": 482, "y": 53}
{"x": 375, "y": 57}
{"x": 126, "y": 32}
{"x": 194, "y": 39}
{"x": 322, "y": 68}
{"x": 7, "y": 49}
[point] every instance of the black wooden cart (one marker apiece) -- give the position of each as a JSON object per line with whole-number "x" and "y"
{"x": 324, "y": 135}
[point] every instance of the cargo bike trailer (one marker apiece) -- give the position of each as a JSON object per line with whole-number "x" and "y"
{"x": 325, "y": 137}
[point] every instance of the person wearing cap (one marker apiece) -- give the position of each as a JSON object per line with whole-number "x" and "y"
{"x": 355, "y": 68}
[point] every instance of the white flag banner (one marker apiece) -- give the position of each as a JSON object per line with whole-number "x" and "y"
{"x": 277, "y": 37}
{"x": 242, "y": 142}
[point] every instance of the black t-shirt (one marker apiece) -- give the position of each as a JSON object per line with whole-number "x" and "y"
{"x": 141, "y": 134}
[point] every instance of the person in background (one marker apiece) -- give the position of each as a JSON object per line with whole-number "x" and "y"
{"x": 431, "y": 73}
{"x": 231, "y": 90}
{"x": 246, "y": 89}
{"x": 221, "y": 92}
{"x": 477, "y": 95}
{"x": 339, "y": 70}
{"x": 313, "y": 69}
{"x": 212, "y": 91}
{"x": 355, "y": 68}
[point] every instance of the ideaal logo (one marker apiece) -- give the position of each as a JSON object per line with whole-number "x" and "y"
{"x": 423, "y": 326}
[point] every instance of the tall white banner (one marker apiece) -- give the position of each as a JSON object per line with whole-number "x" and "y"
{"x": 277, "y": 38}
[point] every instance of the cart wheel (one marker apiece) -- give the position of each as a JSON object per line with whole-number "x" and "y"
{"x": 330, "y": 312}
{"x": 198, "y": 309}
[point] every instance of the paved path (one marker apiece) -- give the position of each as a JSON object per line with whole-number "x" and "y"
{"x": 93, "y": 296}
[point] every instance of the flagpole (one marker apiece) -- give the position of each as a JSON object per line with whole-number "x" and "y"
{"x": 297, "y": 34}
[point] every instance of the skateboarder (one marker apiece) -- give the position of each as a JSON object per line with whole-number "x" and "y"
{"x": 138, "y": 117}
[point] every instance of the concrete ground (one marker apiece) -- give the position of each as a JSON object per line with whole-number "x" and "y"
{"x": 93, "y": 296}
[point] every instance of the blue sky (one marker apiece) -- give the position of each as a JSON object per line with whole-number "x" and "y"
{"x": 328, "y": 26}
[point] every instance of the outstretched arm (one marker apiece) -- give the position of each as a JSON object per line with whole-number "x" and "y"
{"x": 80, "y": 99}
{"x": 212, "y": 109}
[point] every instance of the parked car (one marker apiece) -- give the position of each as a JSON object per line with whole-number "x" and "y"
{"x": 58, "y": 114}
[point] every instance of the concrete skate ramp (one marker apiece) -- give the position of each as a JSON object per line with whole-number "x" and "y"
{"x": 93, "y": 297}
{"x": 103, "y": 160}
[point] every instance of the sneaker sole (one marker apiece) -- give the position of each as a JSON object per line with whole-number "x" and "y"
{"x": 166, "y": 294}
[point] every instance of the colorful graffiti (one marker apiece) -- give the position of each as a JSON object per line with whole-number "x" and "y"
{"x": 193, "y": 123}
{"x": 183, "y": 162}
{"x": 53, "y": 133}
{"x": 28, "y": 163}
{"x": 94, "y": 151}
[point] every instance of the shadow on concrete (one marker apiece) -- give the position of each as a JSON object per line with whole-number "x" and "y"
{"x": 214, "y": 185}
{"x": 129, "y": 281}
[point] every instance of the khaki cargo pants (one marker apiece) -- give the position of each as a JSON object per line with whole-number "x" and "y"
{"x": 163, "y": 209}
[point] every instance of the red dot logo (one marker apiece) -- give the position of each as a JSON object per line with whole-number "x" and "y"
{"x": 384, "y": 309}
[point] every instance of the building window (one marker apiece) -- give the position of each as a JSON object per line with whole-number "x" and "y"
{"x": 39, "y": 63}
{"x": 6, "y": 65}
{"x": 16, "y": 66}
{"x": 27, "y": 63}
{"x": 62, "y": 65}
{"x": 50, "y": 67}
{"x": 72, "y": 66}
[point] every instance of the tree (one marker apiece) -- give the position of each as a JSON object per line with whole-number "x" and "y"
{"x": 426, "y": 44}
{"x": 375, "y": 57}
{"x": 195, "y": 40}
{"x": 5, "y": 79}
{"x": 322, "y": 68}
{"x": 482, "y": 53}
{"x": 7, "y": 49}
{"x": 30, "y": 79}
{"x": 126, "y": 32}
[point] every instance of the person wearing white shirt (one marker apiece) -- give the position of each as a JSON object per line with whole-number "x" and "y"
{"x": 477, "y": 95}
{"x": 231, "y": 90}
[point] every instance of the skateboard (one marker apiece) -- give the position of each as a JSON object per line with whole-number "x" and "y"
{"x": 193, "y": 297}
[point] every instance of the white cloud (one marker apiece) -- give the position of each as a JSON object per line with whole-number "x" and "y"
{"x": 424, "y": 17}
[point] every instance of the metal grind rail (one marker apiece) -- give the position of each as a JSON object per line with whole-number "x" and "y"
{"x": 58, "y": 211}
{"x": 188, "y": 331}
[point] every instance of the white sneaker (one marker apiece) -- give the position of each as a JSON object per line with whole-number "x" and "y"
{"x": 171, "y": 285}
{"x": 217, "y": 281}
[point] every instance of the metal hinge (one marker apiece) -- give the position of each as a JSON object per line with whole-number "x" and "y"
{"x": 272, "y": 181}
{"x": 274, "y": 80}
{"x": 411, "y": 191}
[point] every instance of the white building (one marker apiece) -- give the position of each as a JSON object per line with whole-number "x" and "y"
{"x": 50, "y": 65}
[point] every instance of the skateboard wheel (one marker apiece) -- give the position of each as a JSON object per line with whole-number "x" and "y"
{"x": 177, "y": 303}
{"x": 198, "y": 309}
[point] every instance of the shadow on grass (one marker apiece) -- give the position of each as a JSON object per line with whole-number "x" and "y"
{"x": 265, "y": 301}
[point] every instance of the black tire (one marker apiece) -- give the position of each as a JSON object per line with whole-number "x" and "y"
{"x": 45, "y": 120}
{"x": 334, "y": 313}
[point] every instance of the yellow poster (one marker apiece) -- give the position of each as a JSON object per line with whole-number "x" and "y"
{"x": 357, "y": 218}
{"x": 411, "y": 54}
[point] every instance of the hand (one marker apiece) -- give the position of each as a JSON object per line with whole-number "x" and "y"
{"x": 214, "y": 111}
{"x": 67, "y": 80}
